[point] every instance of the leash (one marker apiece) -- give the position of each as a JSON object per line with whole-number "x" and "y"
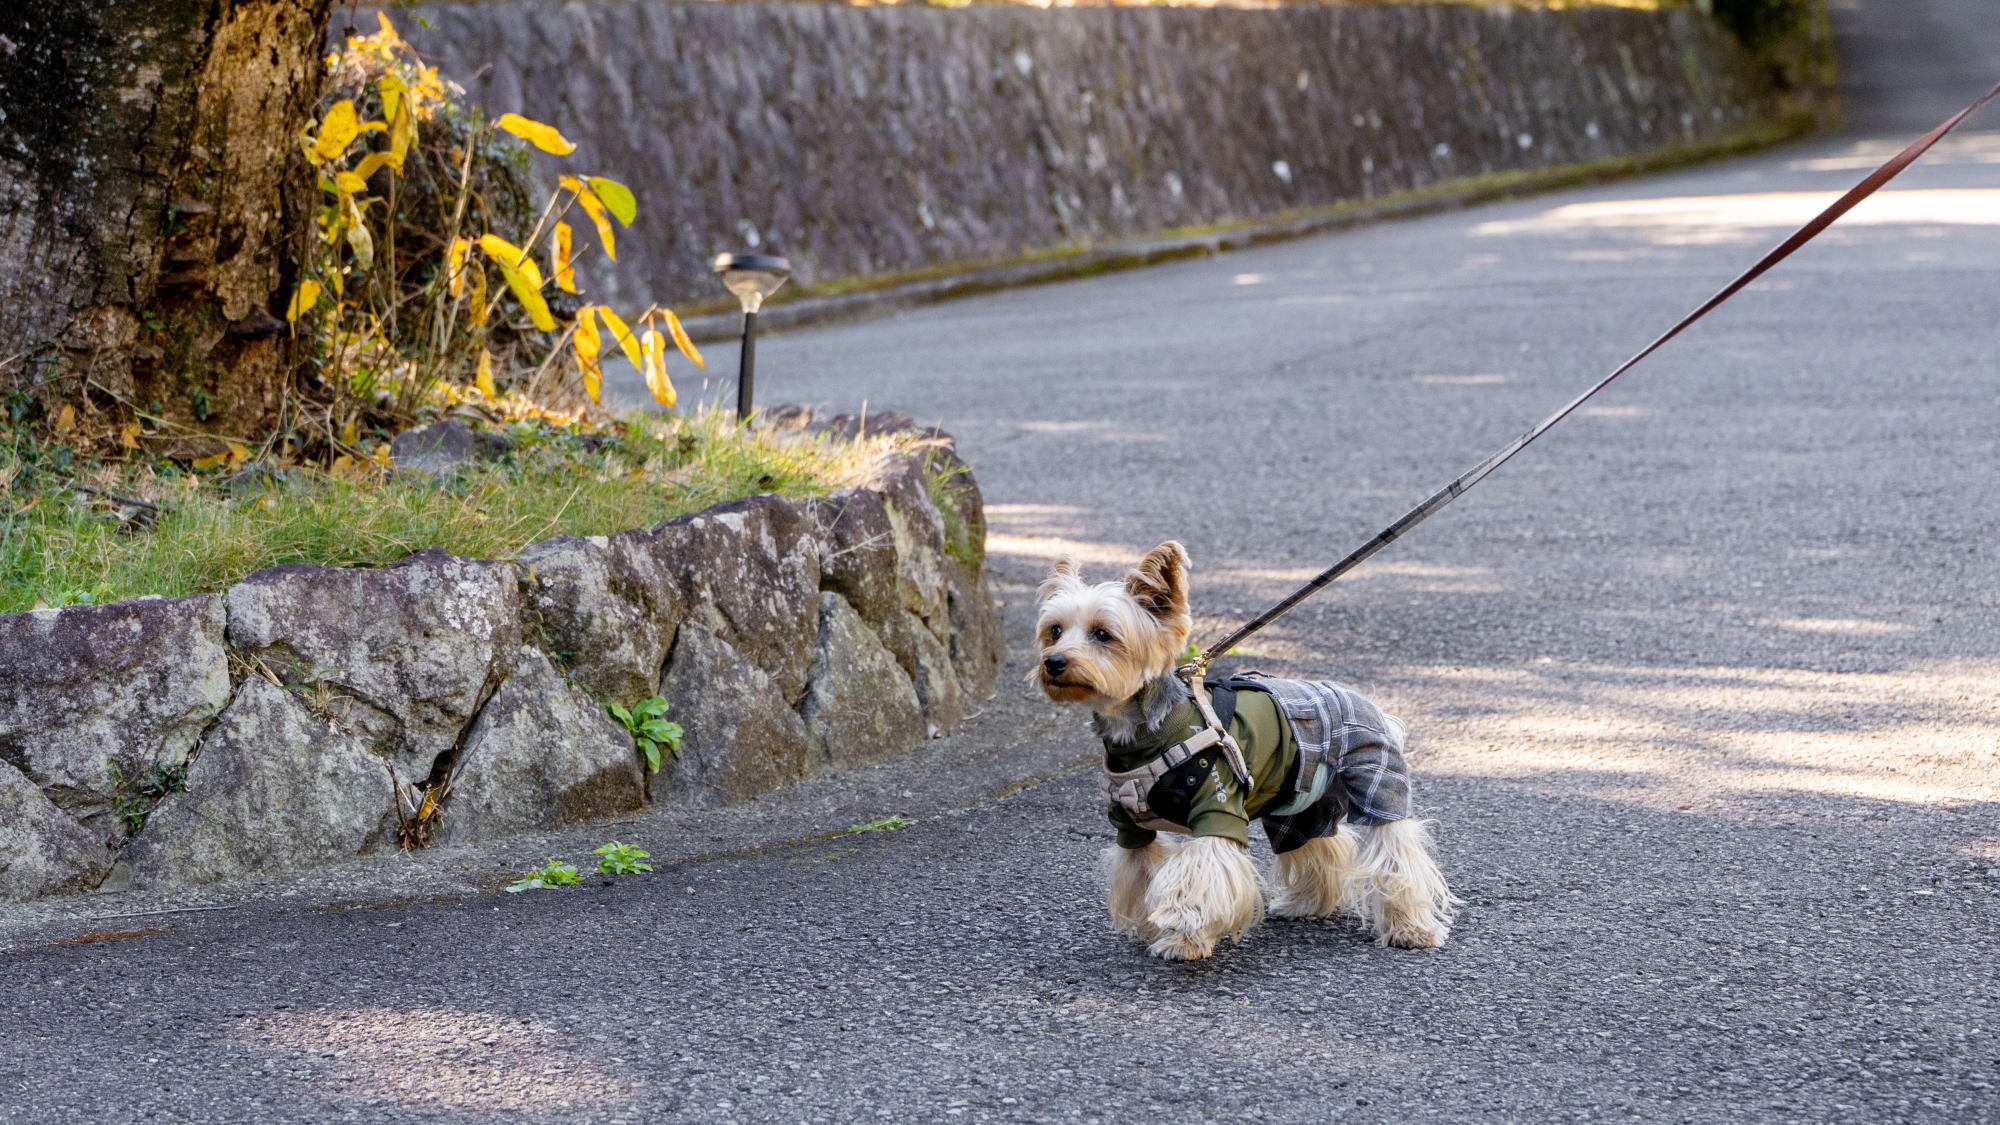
{"x": 1193, "y": 670}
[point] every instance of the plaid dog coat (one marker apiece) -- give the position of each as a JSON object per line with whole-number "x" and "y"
{"x": 1318, "y": 751}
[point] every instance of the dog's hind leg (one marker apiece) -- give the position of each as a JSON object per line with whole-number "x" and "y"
{"x": 1207, "y": 891}
{"x": 1129, "y": 872}
{"x": 1315, "y": 879}
{"x": 1397, "y": 890}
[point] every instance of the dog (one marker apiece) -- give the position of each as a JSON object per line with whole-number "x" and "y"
{"x": 1344, "y": 839}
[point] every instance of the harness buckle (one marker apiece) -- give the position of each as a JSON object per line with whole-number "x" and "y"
{"x": 1191, "y": 673}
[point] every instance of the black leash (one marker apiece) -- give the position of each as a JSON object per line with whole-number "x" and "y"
{"x": 1867, "y": 187}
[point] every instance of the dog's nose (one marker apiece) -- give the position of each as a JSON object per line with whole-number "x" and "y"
{"x": 1055, "y": 666}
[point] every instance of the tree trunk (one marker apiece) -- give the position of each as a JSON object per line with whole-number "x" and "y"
{"x": 152, "y": 195}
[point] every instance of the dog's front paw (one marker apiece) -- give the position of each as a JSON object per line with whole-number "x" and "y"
{"x": 1427, "y": 934}
{"x": 1171, "y": 946}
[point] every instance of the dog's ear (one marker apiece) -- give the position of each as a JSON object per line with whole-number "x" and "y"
{"x": 1063, "y": 574}
{"x": 1159, "y": 583}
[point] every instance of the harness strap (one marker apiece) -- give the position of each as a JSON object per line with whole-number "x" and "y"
{"x": 1234, "y": 753}
{"x": 1131, "y": 787}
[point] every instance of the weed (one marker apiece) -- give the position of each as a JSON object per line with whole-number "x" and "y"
{"x": 58, "y": 544}
{"x": 422, "y": 286}
{"x": 961, "y": 540}
{"x": 1193, "y": 652}
{"x": 647, "y": 728}
{"x": 555, "y": 873}
{"x": 885, "y": 824}
{"x": 621, "y": 859}
{"x": 133, "y": 808}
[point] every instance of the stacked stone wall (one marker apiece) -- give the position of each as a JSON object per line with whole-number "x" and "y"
{"x": 875, "y": 140}
{"x": 301, "y": 716}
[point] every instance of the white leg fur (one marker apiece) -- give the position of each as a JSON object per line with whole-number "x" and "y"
{"x": 1315, "y": 879}
{"x": 1206, "y": 891}
{"x": 1395, "y": 888}
{"x": 1130, "y": 871}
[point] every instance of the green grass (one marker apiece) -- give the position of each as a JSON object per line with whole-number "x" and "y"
{"x": 60, "y": 546}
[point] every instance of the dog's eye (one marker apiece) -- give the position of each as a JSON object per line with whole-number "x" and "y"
{"x": 1055, "y": 632}
{"x": 1101, "y": 636}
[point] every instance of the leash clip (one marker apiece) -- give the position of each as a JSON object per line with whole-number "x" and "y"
{"x": 1191, "y": 673}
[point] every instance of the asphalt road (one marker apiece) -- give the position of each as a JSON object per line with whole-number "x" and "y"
{"x": 1704, "y": 690}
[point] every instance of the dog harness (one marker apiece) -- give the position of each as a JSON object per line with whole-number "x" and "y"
{"x": 1344, "y": 760}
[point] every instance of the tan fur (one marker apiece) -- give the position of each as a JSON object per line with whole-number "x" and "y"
{"x": 1159, "y": 585}
{"x": 1313, "y": 880}
{"x": 1145, "y": 617}
{"x": 1114, "y": 638}
{"x": 1130, "y": 872}
{"x": 1208, "y": 890}
{"x": 1396, "y": 888}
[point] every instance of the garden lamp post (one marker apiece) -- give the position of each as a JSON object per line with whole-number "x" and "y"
{"x": 752, "y": 277}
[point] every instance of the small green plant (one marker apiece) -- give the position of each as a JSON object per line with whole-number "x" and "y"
{"x": 622, "y": 859}
{"x": 649, "y": 729}
{"x": 1193, "y": 652}
{"x": 885, "y": 824}
{"x": 553, "y": 874}
{"x": 157, "y": 783}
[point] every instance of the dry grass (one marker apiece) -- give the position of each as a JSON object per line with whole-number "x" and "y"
{"x": 60, "y": 545}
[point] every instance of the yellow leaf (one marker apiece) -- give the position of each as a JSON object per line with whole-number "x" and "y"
{"x": 393, "y": 90}
{"x": 654, "y": 347}
{"x": 484, "y": 380}
{"x": 337, "y": 131}
{"x": 382, "y": 456}
{"x": 527, "y": 291}
{"x": 523, "y": 276}
{"x": 210, "y": 462}
{"x": 682, "y": 342}
{"x": 587, "y": 343}
{"x": 237, "y": 454}
{"x": 362, "y": 243}
{"x": 397, "y": 107}
{"x": 478, "y": 296}
{"x": 623, "y": 334}
{"x": 341, "y": 464}
{"x": 509, "y": 256}
{"x": 594, "y": 207}
{"x": 350, "y": 183}
{"x": 372, "y": 163}
{"x": 454, "y": 270}
{"x": 401, "y": 133}
{"x": 128, "y": 435}
{"x": 303, "y": 299}
{"x": 560, "y": 259}
{"x": 617, "y": 197}
{"x": 544, "y": 137}
{"x": 66, "y": 420}
{"x": 350, "y": 433}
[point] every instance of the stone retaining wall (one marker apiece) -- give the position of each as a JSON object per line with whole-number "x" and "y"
{"x": 871, "y": 140}
{"x": 167, "y": 741}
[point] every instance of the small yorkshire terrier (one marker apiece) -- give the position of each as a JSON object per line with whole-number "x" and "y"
{"x": 1113, "y": 647}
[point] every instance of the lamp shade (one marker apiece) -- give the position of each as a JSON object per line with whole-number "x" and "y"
{"x": 752, "y": 277}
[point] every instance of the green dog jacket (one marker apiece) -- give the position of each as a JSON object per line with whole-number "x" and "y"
{"x": 1167, "y": 778}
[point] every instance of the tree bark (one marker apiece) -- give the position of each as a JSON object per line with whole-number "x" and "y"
{"x": 152, "y": 195}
